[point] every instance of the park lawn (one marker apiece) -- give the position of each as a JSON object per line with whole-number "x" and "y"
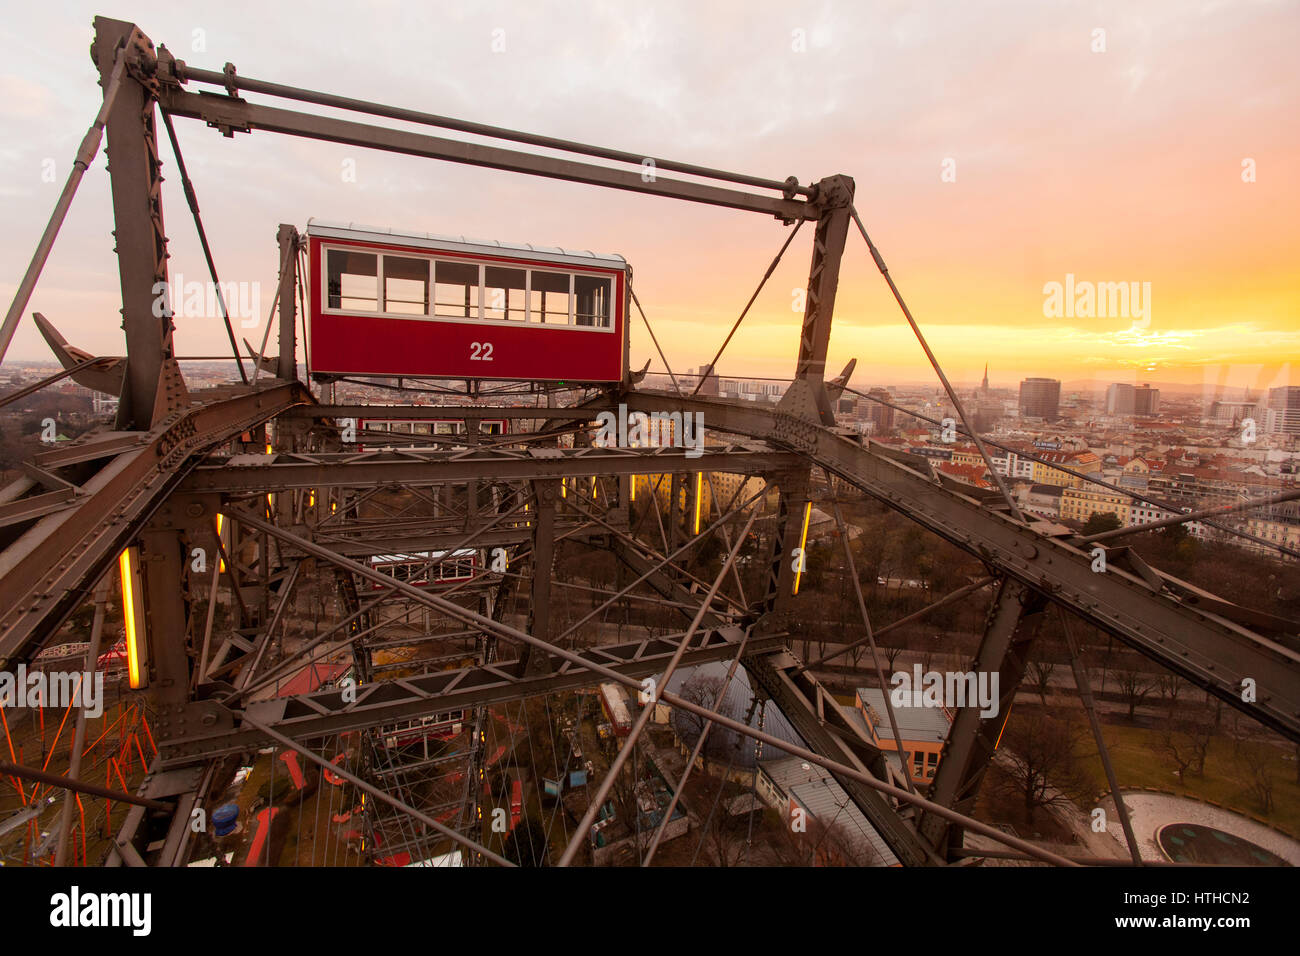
{"x": 1140, "y": 762}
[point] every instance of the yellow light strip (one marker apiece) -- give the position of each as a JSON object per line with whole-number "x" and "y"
{"x": 803, "y": 541}
{"x": 130, "y": 609}
{"x": 699, "y": 490}
{"x": 221, "y": 568}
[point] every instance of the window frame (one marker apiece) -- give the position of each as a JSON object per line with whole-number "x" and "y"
{"x": 434, "y": 256}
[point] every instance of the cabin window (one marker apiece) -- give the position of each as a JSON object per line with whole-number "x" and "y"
{"x": 353, "y": 279}
{"x": 550, "y": 302}
{"x": 592, "y": 296}
{"x": 422, "y": 285}
{"x": 406, "y": 285}
{"x": 456, "y": 290}
{"x": 503, "y": 293}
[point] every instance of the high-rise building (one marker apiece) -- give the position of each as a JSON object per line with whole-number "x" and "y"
{"x": 1119, "y": 399}
{"x": 880, "y": 416}
{"x": 1146, "y": 400}
{"x": 1233, "y": 413}
{"x": 1124, "y": 399}
{"x": 1040, "y": 398}
{"x": 710, "y": 386}
{"x": 1282, "y": 414}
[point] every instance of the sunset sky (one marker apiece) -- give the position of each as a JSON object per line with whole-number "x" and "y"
{"x": 1117, "y": 166}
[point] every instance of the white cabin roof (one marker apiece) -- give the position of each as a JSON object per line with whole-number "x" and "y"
{"x": 428, "y": 240}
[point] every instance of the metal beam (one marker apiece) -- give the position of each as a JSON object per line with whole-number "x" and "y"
{"x": 287, "y": 361}
{"x": 231, "y": 81}
{"x": 317, "y": 715}
{"x": 153, "y": 387}
{"x": 49, "y": 569}
{"x": 1208, "y": 649}
{"x": 797, "y": 695}
{"x": 451, "y": 413}
{"x": 823, "y": 282}
{"x": 421, "y": 467}
{"x": 546, "y": 496}
{"x": 972, "y": 740}
{"x": 227, "y": 113}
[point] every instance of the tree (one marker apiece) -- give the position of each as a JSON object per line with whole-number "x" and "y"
{"x": 1253, "y": 760}
{"x": 1187, "y": 742}
{"x": 702, "y": 689}
{"x": 526, "y": 844}
{"x": 1038, "y": 764}
{"x": 1134, "y": 686}
{"x": 1171, "y": 685}
{"x": 834, "y": 844}
{"x": 724, "y": 834}
{"x": 1043, "y": 666}
{"x": 1101, "y": 521}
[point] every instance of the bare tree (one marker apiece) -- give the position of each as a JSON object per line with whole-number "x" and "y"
{"x": 723, "y": 833}
{"x": 1040, "y": 676}
{"x": 1171, "y": 685}
{"x": 1253, "y": 761}
{"x": 1134, "y": 685}
{"x": 1047, "y": 652}
{"x": 702, "y": 689}
{"x": 1038, "y": 764}
{"x": 1187, "y": 742}
{"x": 835, "y": 843}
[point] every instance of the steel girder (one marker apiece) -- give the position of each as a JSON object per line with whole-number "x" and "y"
{"x": 282, "y": 472}
{"x": 1009, "y": 635}
{"x": 232, "y": 114}
{"x": 816, "y": 717}
{"x": 206, "y": 729}
{"x": 153, "y": 387}
{"x": 392, "y": 543}
{"x": 836, "y": 193}
{"x": 466, "y": 412}
{"x": 804, "y": 702}
{"x": 48, "y": 568}
{"x": 1206, "y": 648}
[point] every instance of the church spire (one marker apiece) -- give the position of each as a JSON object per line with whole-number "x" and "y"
{"x": 984, "y": 385}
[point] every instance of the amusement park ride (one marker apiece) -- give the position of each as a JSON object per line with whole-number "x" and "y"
{"x": 272, "y": 478}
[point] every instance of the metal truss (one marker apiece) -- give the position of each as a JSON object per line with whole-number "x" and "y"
{"x": 309, "y": 511}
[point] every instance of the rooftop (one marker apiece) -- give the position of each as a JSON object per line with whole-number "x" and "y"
{"x": 914, "y": 723}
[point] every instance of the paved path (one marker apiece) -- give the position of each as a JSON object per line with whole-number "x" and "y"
{"x": 1151, "y": 811}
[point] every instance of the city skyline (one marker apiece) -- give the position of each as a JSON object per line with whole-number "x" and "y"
{"x": 976, "y": 214}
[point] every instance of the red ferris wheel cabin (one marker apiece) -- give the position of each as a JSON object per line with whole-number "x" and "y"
{"x": 388, "y": 303}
